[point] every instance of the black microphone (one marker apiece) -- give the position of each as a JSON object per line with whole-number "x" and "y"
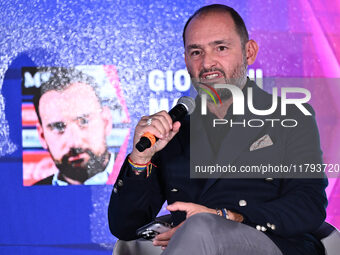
{"x": 184, "y": 106}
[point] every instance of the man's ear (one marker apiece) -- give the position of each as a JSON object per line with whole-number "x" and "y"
{"x": 251, "y": 51}
{"x": 41, "y": 136}
{"x": 185, "y": 59}
{"x": 107, "y": 118}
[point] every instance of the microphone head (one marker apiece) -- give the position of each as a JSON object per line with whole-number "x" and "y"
{"x": 188, "y": 102}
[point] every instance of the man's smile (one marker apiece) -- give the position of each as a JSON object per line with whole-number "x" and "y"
{"x": 211, "y": 76}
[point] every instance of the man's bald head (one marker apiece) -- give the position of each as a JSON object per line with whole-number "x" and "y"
{"x": 219, "y": 8}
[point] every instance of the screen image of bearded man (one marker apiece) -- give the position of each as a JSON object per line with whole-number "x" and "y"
{"x": 73, "y": 126}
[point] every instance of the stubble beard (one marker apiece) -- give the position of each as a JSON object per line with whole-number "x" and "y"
{"x": 237, "y": 78}
{"x": 83, "y": 170}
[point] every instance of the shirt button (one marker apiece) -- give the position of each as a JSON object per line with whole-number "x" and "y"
{"x": 120, "y": 183}
{"x": 242, "y": 202}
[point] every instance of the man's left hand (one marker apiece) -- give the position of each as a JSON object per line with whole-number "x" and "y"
{"x": 190, "y": 208}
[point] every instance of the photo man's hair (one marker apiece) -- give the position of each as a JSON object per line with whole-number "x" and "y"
{"x": 61, "y": 78}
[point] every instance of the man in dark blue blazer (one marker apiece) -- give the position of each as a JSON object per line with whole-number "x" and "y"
{"x": 223, "y": 215}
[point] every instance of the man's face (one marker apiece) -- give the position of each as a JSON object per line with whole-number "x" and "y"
{"x": 74, "y": 129}
{"x": 214, "y": 53}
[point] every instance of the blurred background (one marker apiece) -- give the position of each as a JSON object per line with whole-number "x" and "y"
{"x": 141, "y": 43}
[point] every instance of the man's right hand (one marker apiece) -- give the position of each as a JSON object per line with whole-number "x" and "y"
{"x": 161, "y": 127}
{"x": 164, "y": 238}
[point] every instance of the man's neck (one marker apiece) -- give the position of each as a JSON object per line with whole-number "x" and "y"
{"x": 71, "y": 181}
{"x": 220, "y": 110}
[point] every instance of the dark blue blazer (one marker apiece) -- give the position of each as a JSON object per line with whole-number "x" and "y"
{"x": 296, "y": 207}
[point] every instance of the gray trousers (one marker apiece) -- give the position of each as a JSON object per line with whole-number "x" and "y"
{"x": 210, "y": 234}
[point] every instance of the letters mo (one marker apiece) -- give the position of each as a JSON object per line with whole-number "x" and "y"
{"x": 238, "y": 100}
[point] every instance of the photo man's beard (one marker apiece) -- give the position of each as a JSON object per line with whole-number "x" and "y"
{"x": 237, "y": 78}
{"x": 81, "y": 170}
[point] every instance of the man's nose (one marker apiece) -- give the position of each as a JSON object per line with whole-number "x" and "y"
{"x": 73, "y": 136}
{"x": 209, "y": 60}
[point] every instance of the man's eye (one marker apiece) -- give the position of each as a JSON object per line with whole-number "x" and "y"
{"x": 83, "y": 122}
{"x": 58, "y": 126}
{"x": 195, "y": 53}
{"x": 222, "y": 48}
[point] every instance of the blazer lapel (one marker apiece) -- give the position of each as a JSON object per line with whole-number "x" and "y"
{"x": 240, "y": 138}
{"x": 200, "y": 149}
